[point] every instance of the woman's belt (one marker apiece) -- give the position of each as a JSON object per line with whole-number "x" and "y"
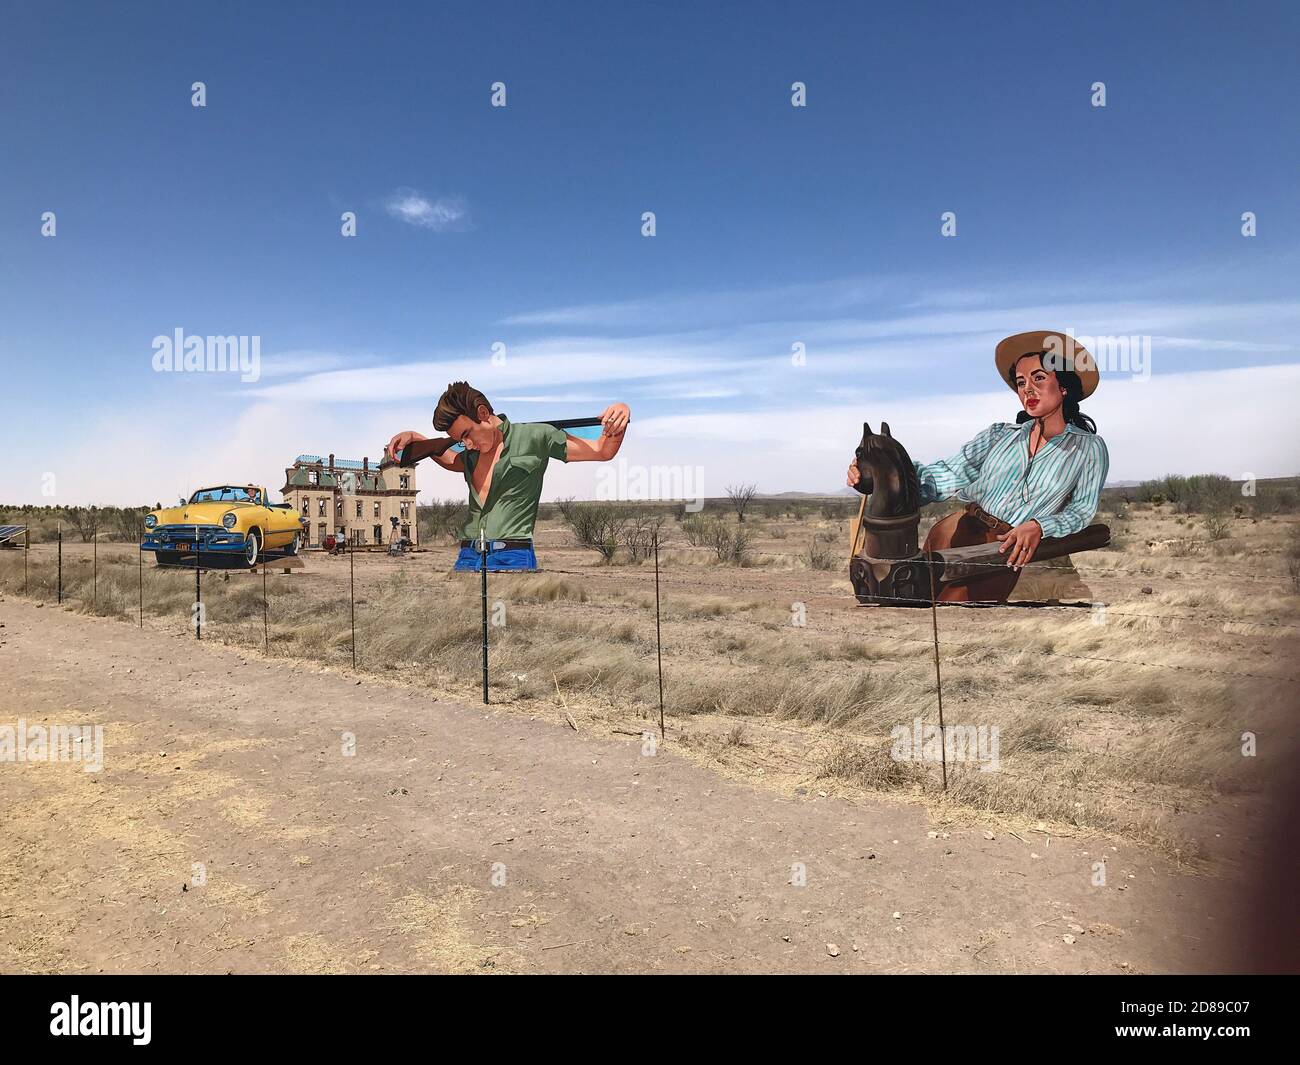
{"x": 498, "y": 544}
{"x": 996, "y": 524}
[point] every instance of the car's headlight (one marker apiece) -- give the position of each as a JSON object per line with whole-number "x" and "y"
{"x": 151, "y": 521}
{"x": 228, "y": 519}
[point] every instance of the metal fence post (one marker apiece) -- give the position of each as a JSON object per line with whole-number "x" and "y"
{"x": 198, "y": 591}
{"x": 482, "y": 554}
{"x": 938, "y": 677}
{"x": 60, "y": 590}
{"x": 659, "y": 652}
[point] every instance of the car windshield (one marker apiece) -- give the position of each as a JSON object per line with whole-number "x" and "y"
{"x": 225, "y": 494}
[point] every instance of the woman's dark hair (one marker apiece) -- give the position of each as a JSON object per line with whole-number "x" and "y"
{"x": 1071, "y": 385}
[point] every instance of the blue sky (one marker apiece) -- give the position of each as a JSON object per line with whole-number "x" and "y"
{"x": 521, "y": 225}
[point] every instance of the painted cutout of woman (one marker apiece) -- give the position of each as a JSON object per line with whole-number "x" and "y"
{"x": 1040, "y": 477}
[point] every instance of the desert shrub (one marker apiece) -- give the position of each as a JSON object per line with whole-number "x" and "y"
{"x": 598, "y": 526}
{"x": 821, "y": 555}
{"x": 1201, "y": 493}
{"x": 1151, "y": 492}
{"x": 1174, "y": 488}
{"x": 741, "y": 496}
{"x": 128, "y": 523}
{"x": 1274, "y": 499}
{"x": 1217, "y": 527}
{"x": 85, "y": 520}
{"x": 728, "y": 545}
{"x": 441, "y": 519}
{"x": 638, "y": 535}
{"x": 695, "y": 529}
{"x": 870, "y": 767}
{"x": 1293, "y": 559}
{"x": 1207, "y": 493}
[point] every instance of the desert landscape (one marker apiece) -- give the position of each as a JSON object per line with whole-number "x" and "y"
{"x": 265, "y": 806}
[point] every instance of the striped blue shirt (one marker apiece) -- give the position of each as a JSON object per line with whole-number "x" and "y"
{"x": 1061, "y": 489}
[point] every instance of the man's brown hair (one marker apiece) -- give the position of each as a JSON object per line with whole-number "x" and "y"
{"x": 460, "y": 398}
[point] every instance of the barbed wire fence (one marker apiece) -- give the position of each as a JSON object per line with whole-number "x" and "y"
{"x": 74, "y": 570}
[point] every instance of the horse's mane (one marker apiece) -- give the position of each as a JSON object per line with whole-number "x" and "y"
{"x": 911, "y": 483}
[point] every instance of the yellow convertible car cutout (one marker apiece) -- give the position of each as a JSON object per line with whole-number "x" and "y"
{"x": 231, "y": 520}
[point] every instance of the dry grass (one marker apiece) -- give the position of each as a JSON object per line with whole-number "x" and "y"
{"x": 1109, "y": 726}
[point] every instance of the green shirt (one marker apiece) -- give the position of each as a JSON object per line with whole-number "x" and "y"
{"x": 511, "y": 509}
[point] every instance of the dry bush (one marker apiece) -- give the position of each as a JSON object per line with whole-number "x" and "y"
{"x": 728, "y": 545}
{"x": 443, "y": 519}
{"x": 598, "y": 526}
{"x": 639, "y": 534}
{"x": 872, "y": 766}
{"x": 821, "y": 556}
{"x": 741, "y": 496}
{"x": 1217, "y": 527}
{"x": 1293, "y": 559}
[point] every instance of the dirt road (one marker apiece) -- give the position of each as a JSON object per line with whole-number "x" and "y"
{"x": 257, "y": 816}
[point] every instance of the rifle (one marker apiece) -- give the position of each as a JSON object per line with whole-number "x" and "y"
{"x": 423, "y": 449}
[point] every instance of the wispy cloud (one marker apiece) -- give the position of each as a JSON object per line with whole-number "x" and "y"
{"x": 414, "y": 208}
{"x": 752, "y": 366}
{"x": 298, "y": 363}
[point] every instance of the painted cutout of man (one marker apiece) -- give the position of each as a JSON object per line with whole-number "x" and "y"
{"x": 1040, "y": 477}
{"x": 504, "y": 464}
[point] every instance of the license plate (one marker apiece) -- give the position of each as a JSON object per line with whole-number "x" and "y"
{"x": 182, "y": 547}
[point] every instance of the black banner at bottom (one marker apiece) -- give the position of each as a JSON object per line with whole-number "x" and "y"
{"x": 337, "y": 1013}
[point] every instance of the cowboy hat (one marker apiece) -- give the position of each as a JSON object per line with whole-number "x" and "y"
{"x": 1063, "y": 352}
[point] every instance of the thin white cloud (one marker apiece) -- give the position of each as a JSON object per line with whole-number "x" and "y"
{"x": 751, "y": 363}
{"x": 297, "y": 363}
{"x": 565, "y": 399}
{"x": 414, "y": 208}
{"x": 547, "y": 365}
{"x": 1202, "y": 344}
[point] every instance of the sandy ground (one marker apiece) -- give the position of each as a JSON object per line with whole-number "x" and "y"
{"x": 459, "y": 838}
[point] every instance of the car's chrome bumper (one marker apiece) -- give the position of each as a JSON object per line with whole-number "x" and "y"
{"x": 192, "y": 538}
